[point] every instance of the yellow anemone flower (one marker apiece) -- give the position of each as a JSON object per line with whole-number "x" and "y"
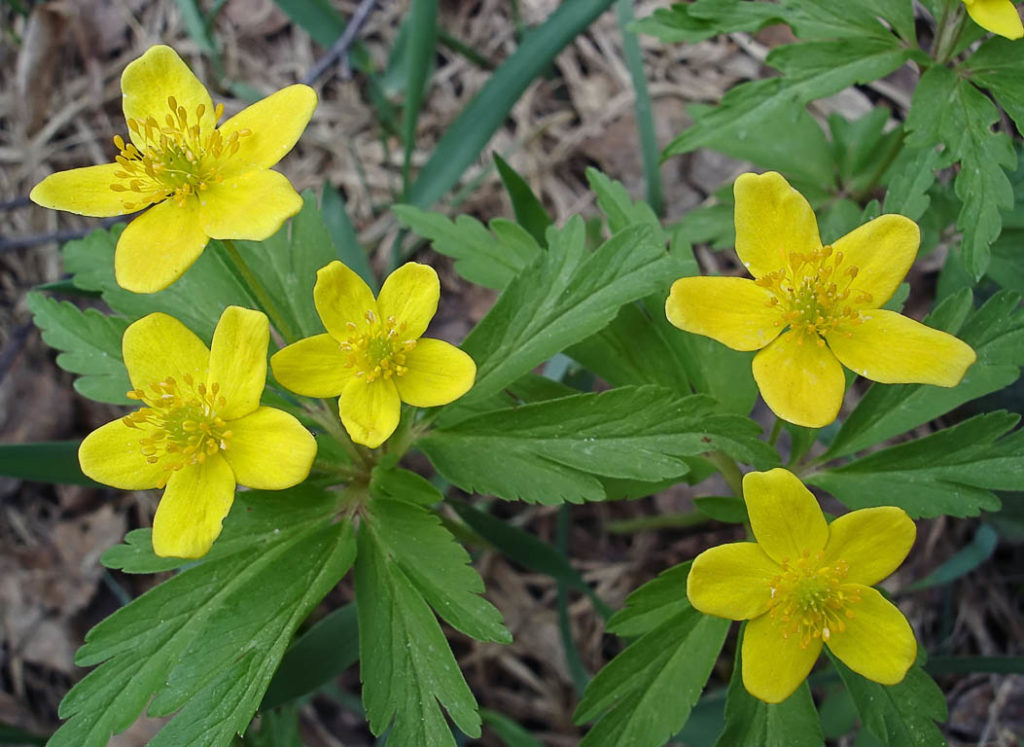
{"x": 373, "y": 354}
{"x": 203, "y": 181}
{"x": 827, "y": 299}
{"x": 201, "y": 429}
{"x": 998, "y": 16}
{"x": 804, "y": 584}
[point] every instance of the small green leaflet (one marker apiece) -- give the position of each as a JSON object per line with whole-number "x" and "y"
{"x": 949, "y": 109}
{"x": 913, "y": 174}
{"x": 550, "y": 452}
{"x": 644, "y": 695}
{"x": 837, "y": 19}
{"x": 489, "y": 258}
{"x": 568, "y": 294}
{"x": 206, "y": 642}
{"x": 619, "y": 208}
{"x": 995, "y": 331}
{"x": 750, "y": 722}
{"x": 197, "y": 298}
{"x": 91, "y": 345}
{"x": 407, "y": 559}
{"x": 811, "y": 70}
{"x": 996, "y": 67}
{"x": 693, "y": 22}
{"x": 530, "y": 213}
{"x": 952, "y": 472}
{"x": 902, "y": 715}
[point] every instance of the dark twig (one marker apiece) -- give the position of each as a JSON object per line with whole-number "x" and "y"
{"x": 341, "y": 46}
{"x": 17, "y": 340}
{"x": 16, "y": 202}
{"x": 20, "y": 242}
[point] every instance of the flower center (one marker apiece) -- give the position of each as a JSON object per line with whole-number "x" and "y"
{"x": 176, "y": 159}
{"x": 180, "y": 424}
{"x": 378, "y": 351}
{"x": 810, "y": 600}
{"x": 815, "y": 293}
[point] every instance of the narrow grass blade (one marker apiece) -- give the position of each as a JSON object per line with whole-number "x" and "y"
{"x": 344, "y": 235}
{"x": 45, "y": 461}
{"x": 422, "y": 39}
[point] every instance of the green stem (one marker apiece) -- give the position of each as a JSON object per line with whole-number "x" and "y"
{"x": 951, "y": 25}
{"x": 262, "y": 297}
{"x": 326, "y": 416}
{"x": 730, "y": 471}
{"x": 773, "y": 437}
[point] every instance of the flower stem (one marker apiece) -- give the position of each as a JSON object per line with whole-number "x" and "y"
{"x": 773, "y": 437}
{"x": 327, "y": 416}
{"x": 263, "y": 298}
{"x": 951, "y": 24}
{"x": 730, "y": 471}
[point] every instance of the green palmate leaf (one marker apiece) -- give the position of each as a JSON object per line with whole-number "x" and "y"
{"x": 91, "y": 345}
{"x": 902, "y": 715}
{"x": 996, "y": 66}
{"x": 620, "y": 210}
{"x": 566, "y": 295}
{"x": 811, "y": 70}
{"x": 949, "y": 109}
{"x": 135, "y": 555}
{"x": 550, "y": 452}
{"x": 287, "y": 262}
{"x": 530, "y": 214}
{"x": 995, "y": 331}
{"x": 415, "y": 542}
{"x": 322, "y": 653}
{"x": 196, "y": 299}
{"x": 952, "y": 472}
{"x": 750, "y": 722}
{"x": 692, "y": 22}
{"x": 862, "y": 148}
{"x": 407, "y": 667}
{"x": 644, "y": 695}
{"x": 489, "y": 258}
{"x": 913, "y": 175}
{"x": 834, "y": 19}
{"x": 45, "y": 461}
{"x": 206, "y": 642}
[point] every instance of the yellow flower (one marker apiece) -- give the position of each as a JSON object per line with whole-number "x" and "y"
{"x": 373, "y": 354}
{"x": 201, "y": 429}
{"x": 805, "y": 583}
{"x": 998, "y": 16}
{"x": 827, "y": 298}
{"x": 203, "y": 181}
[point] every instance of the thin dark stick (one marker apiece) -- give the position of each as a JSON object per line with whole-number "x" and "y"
{"x": 16, "y": 202}
{"x": 20, "y": 242}
{"x": 14, "y": 345}
{"x": 340, "y": 47}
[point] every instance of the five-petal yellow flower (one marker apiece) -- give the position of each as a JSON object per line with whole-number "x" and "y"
{"x": 811, "y": 307}
{"x": 201, "y": 429}
{"x": 998, "y": 16}
{"x": 373, "y": 354}
{"x": 202, "y": 180}
{"x": 804, "y": 584}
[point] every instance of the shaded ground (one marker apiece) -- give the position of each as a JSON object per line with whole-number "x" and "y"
{"x": 59, "y": 108}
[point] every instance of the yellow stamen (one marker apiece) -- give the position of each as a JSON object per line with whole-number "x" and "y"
{"x": 810, "y": 600}
{"x": 378, "y": 350}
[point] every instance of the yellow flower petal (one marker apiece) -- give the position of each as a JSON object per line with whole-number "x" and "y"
{"x": 238, "y": 360}
{"x": 192, "y": 509}
{"x": 158, "y": 346}
{"x": 774, "y": 665}
{"x": 772, "y": 221}
{"x": 148, "y": 81}
{"x": 84, "y": 191}
{"x": 998, "y": 16}
{"x": 878, "y": 642}
{"x": 800, "y": 380}
{"x": 370, "y": 412}
{"x": 882, "y": 250}
{"x": 893, "y": 349}
{"x": 872, "y": 541}
{"x": 274, "y": 124}
{"x": 111, "y": 454}
{"x": 784, "y": 515}
{"x": 341, "y": 297}
{"x": 158, "y": 246}
{"x": 735, "y": 311}
{"x": 251, "y": 206}
{"x": 313, "y": 367}
{"x": 270, "y": 450}
{"x": 410, "y": 294}
{"x": 732, "y": 581}
{"x": 438, "y": 373}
